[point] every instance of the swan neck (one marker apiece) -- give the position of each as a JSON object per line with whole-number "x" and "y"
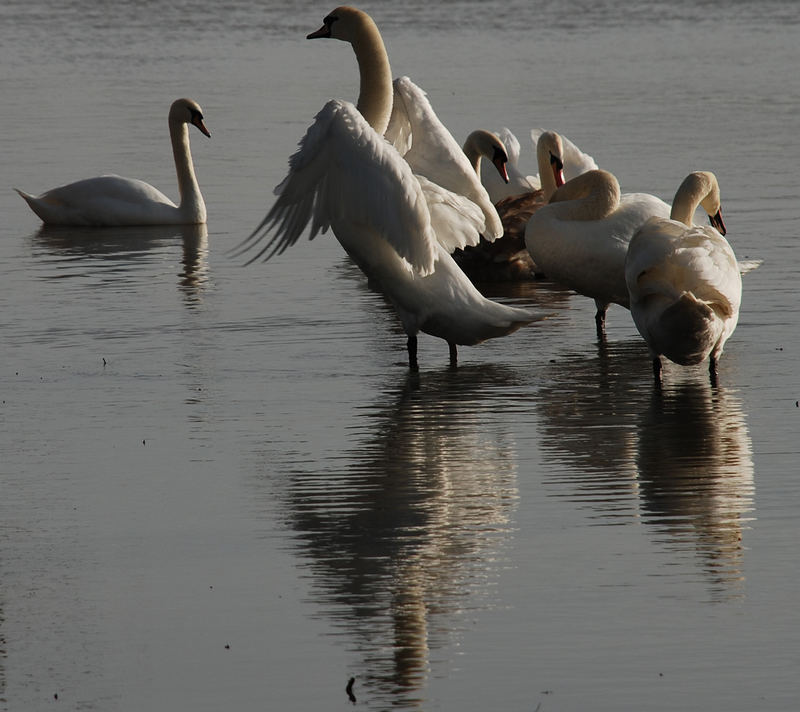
{"x": 375, "y": 92}
{"x": 696, "y": 187}
{"x": 473, "y": 153}
{"x": 191, "y": 199}
{"x": 547, "y": 178}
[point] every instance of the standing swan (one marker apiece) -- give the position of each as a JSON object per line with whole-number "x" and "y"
{"x": 112, "y": 200}
{"x": 397, "y": 226}
{"x": 684, "y": 281}
{"x": 581, "y": 237}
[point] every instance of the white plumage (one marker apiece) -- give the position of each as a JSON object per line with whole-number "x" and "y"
{"x": 112, "y": 200}
{"x": 396, "y": 224}
{"x": 684, "y": 280}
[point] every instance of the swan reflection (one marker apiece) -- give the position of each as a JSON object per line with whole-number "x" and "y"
{"x": 695, "y": 462}
{"x": 679, "y": 459}
{"x": 85, "y": 251}
{"x": 409, "y": 533}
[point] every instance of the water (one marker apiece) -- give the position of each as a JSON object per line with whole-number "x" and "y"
{"x": 220, "y": 487}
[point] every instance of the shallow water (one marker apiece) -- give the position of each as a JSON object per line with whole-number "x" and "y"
{"x": 221, "y": 489}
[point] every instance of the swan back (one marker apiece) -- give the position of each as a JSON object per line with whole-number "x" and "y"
{"x": 684, "y": 280}
{"x": 590, "y": 196}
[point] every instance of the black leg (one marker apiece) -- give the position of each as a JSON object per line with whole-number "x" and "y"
{"x": 412, "y": 353}
{"x": 600, "y": 320}
{"x": 712, "y": 371}
{"x": 657, "y": 371}
{"x": 453, "y": 354}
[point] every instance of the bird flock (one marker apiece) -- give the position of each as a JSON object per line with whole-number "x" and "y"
{"x": 426, "y": 218}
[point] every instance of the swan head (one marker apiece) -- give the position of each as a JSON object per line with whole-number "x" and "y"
{"x": 188, "y": 111}
{"x": 485, "y": 144}
{"x": 550, "y": 152}
{"x": 700, "y": 187}
{"x": 344, "y": 23}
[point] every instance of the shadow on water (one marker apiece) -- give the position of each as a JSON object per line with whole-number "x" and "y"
{"x": 408, "y": 535}
{"x": 680, "y": 459}
{"x": 119, "y": 249}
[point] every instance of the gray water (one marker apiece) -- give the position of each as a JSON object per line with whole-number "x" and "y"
{"x": 221, "y": 489}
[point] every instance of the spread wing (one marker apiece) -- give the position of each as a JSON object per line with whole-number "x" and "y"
{"x": 430, "y": 149}
{"x": 345, "y": 173}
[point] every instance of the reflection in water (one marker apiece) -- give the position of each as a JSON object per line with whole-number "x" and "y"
{"x": 696, "y": 475}
{"x": 680, "y": 459}
{"x": 406, "y": 535}
{"x": 590, "y": 408}
{"x": 120, "y": 248}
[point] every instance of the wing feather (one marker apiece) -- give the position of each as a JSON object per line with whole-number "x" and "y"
{"x": 345, "y": 173}
{"x": 430, "y": 149}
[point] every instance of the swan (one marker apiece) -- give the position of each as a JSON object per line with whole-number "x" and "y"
{"x": 398, "y": 226}
{"x": 507, "y": 258}
{"x": 580, "y": 238}
{"x": 112, "y": 200}
{"x": 684, "y": 280}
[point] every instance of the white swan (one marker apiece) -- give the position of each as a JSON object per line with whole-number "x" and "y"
{"x": 581, "y": 237}
{"x": 397, "y": 226}
{"x": 112, "y": 200}
{"x": 684, "y": 281}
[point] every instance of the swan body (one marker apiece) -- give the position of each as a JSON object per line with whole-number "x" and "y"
{"x": 580, "y": 239}
{"x": 112, "y": 200}
{"x": 684, "y": 280}
{"x": 398, "y": 226}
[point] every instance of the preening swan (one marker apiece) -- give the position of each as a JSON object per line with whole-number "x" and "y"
{"x": 112, "y": 200}
{"x": 399, "y": 227}
{"x": 581, "y": 237}
{"x": 684, "y": 281}
{"x": 507, "y": 258}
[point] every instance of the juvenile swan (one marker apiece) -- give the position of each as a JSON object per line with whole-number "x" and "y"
{"x": 684, "y": 281}
{"x": 581, "y": 237}
{"x": 112, "y": 200}
{"x": 399, "y": 227}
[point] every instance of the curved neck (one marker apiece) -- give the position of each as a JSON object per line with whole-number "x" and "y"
{"x": 696, "y": 189}
{"x": 548, "y": 148}
{"x": 590, "y": 196}
{"x": 375, "y": 92}
{"x": 191, "y": 200}
{"x": 473, "y": 150}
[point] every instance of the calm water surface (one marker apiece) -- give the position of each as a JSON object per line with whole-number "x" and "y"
{"x": 221, "y": 489}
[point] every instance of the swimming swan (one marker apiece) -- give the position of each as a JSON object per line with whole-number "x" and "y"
{"x": 399, "y": 227}
{"x": 684, "y": 280}
{"x": 112, "y": 200}
{"x": 581, "y": 237}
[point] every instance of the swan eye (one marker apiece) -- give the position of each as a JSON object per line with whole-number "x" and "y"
{"x": 499, "y": 155}
{"x": 557, "y": 162}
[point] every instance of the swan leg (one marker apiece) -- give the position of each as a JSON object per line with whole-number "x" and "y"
{"x": 600, "y": 319}
{"x": 453, "y": 354}
{"x": 657, "y": 370}
{"x": 412, "y": 353}
{"x": 712, "y": 370}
